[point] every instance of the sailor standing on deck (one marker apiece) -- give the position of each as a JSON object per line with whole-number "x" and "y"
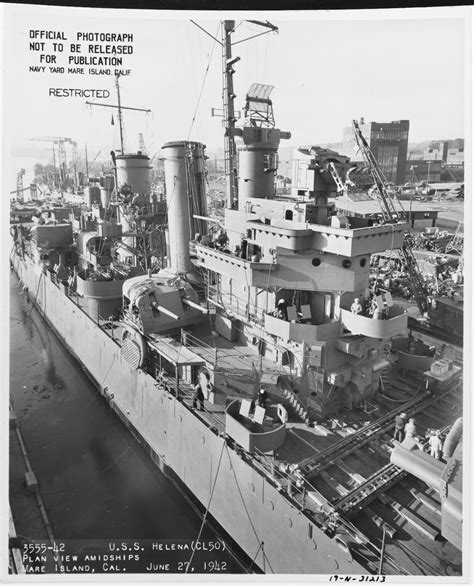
{"x": 400, "y": 421}
{"x": 198, "y": 397}
{"x": 281, "y": 311}
{"x": 356, "y": 307}
{"x": 410, "y": 428}
{"x": 436, "y": 445}
{"x": 262, "y": 397}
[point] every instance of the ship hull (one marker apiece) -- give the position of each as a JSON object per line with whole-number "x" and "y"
{"x": 245, "y": 504}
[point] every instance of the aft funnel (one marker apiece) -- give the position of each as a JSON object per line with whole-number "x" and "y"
{"x": 185, "y": 197}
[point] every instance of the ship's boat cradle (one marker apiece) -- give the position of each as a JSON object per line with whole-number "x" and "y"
{"x": 177, "y": 439}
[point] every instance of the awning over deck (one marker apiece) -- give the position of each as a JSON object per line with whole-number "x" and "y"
{"x": 174, "y": 352}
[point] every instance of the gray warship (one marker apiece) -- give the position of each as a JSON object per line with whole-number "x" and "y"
{"x": 242, "y": 353}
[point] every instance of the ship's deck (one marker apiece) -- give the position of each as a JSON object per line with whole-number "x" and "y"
{"x": 345, "y": 460}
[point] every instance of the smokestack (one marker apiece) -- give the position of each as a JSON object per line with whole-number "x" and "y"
{"x": 258, "y": 162}
{"x": 177, "y": 198}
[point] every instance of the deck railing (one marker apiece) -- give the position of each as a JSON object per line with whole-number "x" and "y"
{"x": 396, "y": 323}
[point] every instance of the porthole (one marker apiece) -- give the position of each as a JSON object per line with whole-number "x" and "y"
{"x": 363, "y": 262}
{"x": 346, "y": 264}
{"x": 316, "y": 262}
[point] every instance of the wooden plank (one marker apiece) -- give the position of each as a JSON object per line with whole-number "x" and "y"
{"x": 357, "y": 478}
{"x": 333, "y": 482}
{"x": 426, "y": 500}
{"x": 426, "y": 528}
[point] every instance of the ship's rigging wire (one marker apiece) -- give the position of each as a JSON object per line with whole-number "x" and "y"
{"x": 108, "y": 371}
{"x": 36, "y": 295}
{"x": 203, "y": 84}
{"x": 187, "y": 49}
{"x": 266, "y": 55}
{"x": 224, "y": 445}
{"x": 259, "y": 541}
{"x": 260, "y": 547}
{"x": 411, "y": 555}
{"x": 433, "y": 571}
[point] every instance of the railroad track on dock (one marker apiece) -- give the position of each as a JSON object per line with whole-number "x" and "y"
{"x": 368, "y": 490}
{"x": 316, "y": 464}
{"x": 435, "y": 332}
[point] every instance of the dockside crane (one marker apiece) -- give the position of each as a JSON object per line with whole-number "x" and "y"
{"x": 60, "y": 142}
{"x": 19, "y": 184}
{"x": 391, "y": 215}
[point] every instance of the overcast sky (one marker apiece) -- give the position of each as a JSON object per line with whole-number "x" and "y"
{"x": 326, "y": 69}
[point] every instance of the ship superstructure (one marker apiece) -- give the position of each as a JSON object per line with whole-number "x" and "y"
{"x": 253, "y": 360}
{"x": 288, "y": 271}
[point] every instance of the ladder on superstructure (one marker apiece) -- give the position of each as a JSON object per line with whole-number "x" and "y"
{"x": 384, "y": 379}
{"x": 337, "y": 179}
{"x": 228, "y": 96}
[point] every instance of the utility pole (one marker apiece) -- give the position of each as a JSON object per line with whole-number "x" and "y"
{"x": 87, "y": 167}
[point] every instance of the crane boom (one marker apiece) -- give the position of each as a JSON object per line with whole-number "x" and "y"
{"x": 382, "y": 192}
{"x": 337, "y": 179}
{"x": 391, "y": 215}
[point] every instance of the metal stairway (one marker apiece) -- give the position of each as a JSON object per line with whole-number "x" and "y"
{"x": 385, "y": 384}
{"x": 297, "y": 405}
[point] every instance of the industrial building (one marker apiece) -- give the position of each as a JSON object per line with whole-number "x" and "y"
{"x": 440, "y": 152}
{"x": 389, "y": 143}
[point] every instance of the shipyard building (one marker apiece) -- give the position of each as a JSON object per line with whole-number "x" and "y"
{"x": 388, "y": 141}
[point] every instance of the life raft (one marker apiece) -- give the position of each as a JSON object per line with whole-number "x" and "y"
{"x": 134, "y": 347}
